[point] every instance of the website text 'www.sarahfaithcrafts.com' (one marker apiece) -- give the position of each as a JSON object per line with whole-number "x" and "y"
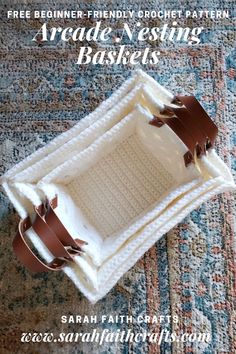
{"x": 118, "y": 336}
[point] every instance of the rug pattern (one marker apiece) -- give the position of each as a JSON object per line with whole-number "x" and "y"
{"x": 191, "y": 271}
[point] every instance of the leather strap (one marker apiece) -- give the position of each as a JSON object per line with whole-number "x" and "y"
{"x": 26, "y": 255}
{"x": 187, "y": 120}
{"x": 180, "y": 130}
{"x": 49, "y": 238}
{"x": 202, "y": 119}
{"x": 56, "y": 225}
{"x": 62, "y": 246}
{"x": 191, "y": 124}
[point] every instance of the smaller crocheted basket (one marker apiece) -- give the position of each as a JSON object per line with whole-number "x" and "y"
{"x": 98, "y": 196}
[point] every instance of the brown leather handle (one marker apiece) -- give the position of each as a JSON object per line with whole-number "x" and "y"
{"x": 180, "y": 130}
{"x": 27, "y": 256}
{"x": 202, "y": 119}
{"x": 191, "y": 124}
{"x": 53, "y": 234}
{"x": 49, "y": 238}
{"x": 56, "y": 225}
{"x": 187, "y": 120}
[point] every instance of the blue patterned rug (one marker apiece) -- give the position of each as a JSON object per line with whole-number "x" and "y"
{"x": 191, "y": 271}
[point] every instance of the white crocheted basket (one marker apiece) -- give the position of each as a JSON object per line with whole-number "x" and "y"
{"x": 120, "y": 182}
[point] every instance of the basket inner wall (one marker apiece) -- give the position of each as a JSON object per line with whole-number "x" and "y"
{"x": 120, "y": 186}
